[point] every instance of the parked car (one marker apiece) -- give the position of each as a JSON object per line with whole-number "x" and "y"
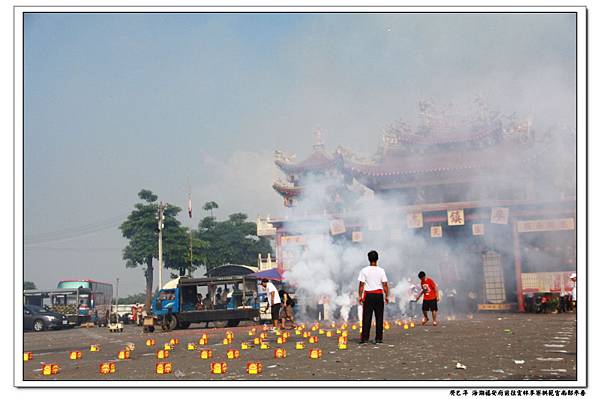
{"x": 37, "y": 318}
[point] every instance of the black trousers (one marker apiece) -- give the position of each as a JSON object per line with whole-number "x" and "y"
{"x": 372, "y": 303}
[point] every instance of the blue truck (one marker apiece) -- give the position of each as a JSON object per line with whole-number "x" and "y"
{"x": 222, "y": 301}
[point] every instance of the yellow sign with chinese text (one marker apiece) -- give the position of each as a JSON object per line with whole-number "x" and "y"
{"x": 456, "y": 217}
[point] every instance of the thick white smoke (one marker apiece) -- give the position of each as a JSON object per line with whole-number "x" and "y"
{"x": 327, "y": 265}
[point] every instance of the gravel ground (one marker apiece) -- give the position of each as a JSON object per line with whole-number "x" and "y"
{"x": 489, "y": 346}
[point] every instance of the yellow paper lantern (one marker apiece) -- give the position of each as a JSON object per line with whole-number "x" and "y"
{"x": 300, "y": 345}
{"x": 313, "y": 340}
{"x": 150, "y": 342}
{"x": 264, "y": 345}
{"x": 174, "y": 341}
{"x": 329, "y": 334}
{"x": 162, "y": 354}
{"x": 50, "y": 369}
{"x": 342, "y": 345}
{"x": 218, "y": 368}
{"x": 27, "y": 356}
{"x": 107, "y": 368}
{"x": 205, "y": 354}
{"x": 280, "y": 353}
{"x": 246, "y": 345}
{"x": 406, "y": 327}
{"x": 314, "y": 353}
{"x": 168, "y": 347}
{"x": 203, "y": 341}
{"x": 226, "y": 341}
{"x": 257, "y": 341}
{"x": 254, "y": 368}
{"x": 75, "y": 355}
{"x": 281, "y": 340}
{"x": 94, "y": 348}
{"x": 233, "y": 354}
{"x": 191, "y": 346}
{"x": 124, "y": 354}
{"x": 164, "y": 368}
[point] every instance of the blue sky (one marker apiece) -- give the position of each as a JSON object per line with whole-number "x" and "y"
{"x": 119, "y": 102}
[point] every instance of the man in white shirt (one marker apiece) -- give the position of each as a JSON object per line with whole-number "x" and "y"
{"x": 274, "y": 301}
{"x": 573, "y": 278}
{"x": 371, "y": 289}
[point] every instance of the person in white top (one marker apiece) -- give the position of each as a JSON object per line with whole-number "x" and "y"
{"x": 573, "y": 278}
{"x": 371, "y": 289}
{"x": 274, "y": 301}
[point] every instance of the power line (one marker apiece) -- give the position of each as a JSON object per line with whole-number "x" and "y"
{"x": 72, "y": 249}
{"x": 73, "y": 232}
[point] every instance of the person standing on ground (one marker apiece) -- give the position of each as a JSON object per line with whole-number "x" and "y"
{"x": 430, "y": 298}
{"x": 287, "y": 312}
{"x": 371, "y": 289}
{"x": 274, "y": 301}
{"x": 573, "y": 278}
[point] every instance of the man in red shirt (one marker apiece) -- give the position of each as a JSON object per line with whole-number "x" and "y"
{"x": 430, "y": 298}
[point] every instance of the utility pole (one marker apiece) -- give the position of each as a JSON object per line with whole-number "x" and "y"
{"x": 190, "y": 213}
{"x": 161, "y": 226}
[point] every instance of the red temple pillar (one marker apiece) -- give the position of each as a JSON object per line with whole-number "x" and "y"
{"x": 518, "y": 271}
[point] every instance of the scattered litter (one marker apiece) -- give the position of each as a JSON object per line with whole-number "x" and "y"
{"x": 272, "y": 366}
{"x": 332, "y": 352}
{"x": 549, "y": 359}
{"x": 557, "y": 351}
{"x": 498, "y": 371}
{"x": 179, "y": 374}
{"x": 556, "y": 370}
{"x": 554, "y": 346}
{"x": 508, "y": 331}
{"x": 519, "y": 361}
{"x": 391, "y": 346}
{"x": 461, "y": 366}
{"x": 499, "y": 318}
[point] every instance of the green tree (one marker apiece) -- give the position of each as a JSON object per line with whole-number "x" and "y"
{"x": 132, "y": 299}
{"x": 231, "y": 241}
{"x": 29, "y": 285}
{"x": 141, "y": 229}
{"x": 209, "y": 206}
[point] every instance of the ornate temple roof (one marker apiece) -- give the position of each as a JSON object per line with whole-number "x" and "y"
{"x": 287, "y": 190}
{"x": 505, "y": 156}
{"x": 319, "y": 160}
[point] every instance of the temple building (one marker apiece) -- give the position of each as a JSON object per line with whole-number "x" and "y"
{"x": 482, "y": 189}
